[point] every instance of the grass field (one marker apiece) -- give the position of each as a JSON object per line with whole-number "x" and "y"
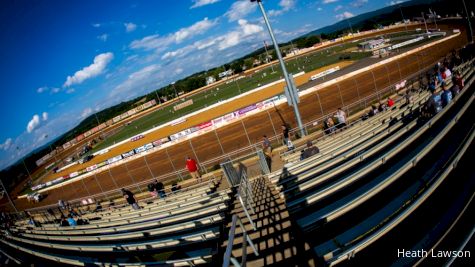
{"x": 305, "y": 63}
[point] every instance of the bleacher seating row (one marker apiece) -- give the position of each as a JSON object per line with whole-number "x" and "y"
{"x": 328, "y": 194}
{"x": 180, "y": 230}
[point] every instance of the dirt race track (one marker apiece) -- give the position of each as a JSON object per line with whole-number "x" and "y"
{"x": 232, "y": 137}
{"x": 65, "y": 153}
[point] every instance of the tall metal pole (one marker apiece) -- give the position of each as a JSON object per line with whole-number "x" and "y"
{"x": 468, "y": 19}
{"x": 402, "y": 15}
{"x": 267, "y": 55}
{"x": 425, "y": 23}
{"x": 26, "y": 168}
{"x": 8, "y": 195}
{"x": 284, "y": 69}
{"x": 176, "y": 94}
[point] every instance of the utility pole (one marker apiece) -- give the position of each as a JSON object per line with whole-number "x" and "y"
{"x": 267, "y": 54}
{"x": 468, "y": 19}
{"x": 402, "y": 15}
{"x": 425, "y": 23}
{"x": 290, "y": 88}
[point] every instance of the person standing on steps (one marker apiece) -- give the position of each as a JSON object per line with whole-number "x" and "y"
{"x": 193, "y": 169}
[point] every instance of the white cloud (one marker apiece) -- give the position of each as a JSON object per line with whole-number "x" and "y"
{"x": 338, "y": 8}
{"x": 161, "y": 42}
{"x": 44, "y": 116}
{"x": 329, "y": 1}
{"x": 130, "y": 27}
{"x": 344, "y": 15}
{"x": 96, "y": 25}
{"x": 7, "y": 144}
{"x": 199, "y": 3}
{"x": 319, "y": 9}
{"x": 41, "y": 89}
{"x": 33, "y": 123}
{"x": 240, "y": 9}
{"x": 235, "y": 37}
{"x": 96, "y": 68}
{"x": 358, "y": 3}
{"x": 55, "y": 90}
{"x": 86, "y": 112}
{"x": 396, "y": 2}
{"x": 70, "y": 91}
{"x": 103, "y": 37}
{"x": 139, "y": 79}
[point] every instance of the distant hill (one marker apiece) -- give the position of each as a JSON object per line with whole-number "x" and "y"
{"x": 390, "y": 13}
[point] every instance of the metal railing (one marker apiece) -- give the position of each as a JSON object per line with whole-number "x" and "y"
{"x": 228, "y": 258}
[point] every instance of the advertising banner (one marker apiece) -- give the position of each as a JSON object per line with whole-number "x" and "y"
{"x": 205, "y": 125}
{"x": 128, "y": 154}
{"x": 91, "y": 168}
{"x": 246, "y": 109}
{"x": 137, "y": 137}
{"x": 114, "y": 159}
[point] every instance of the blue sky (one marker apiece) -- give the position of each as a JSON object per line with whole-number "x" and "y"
{"x": 63, "y": 60}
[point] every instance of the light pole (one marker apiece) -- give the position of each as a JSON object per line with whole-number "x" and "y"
{"x": 173, "y": 84}
{"x": 349, "y": 23}
{"x": 425, "y": 23}
{"x": 5, "y": 191}
{"x": 402, "y": 15}
{"x": 267, "y": 54}
{"x": 26, "y": 168}
{"x": 468, "y": 19}
{"x": 292, "y": 91}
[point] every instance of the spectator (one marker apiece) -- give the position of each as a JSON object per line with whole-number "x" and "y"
{"x": 390, "y": 103}
{"x": 151, "y": 189}
{"x": 158, "y": 186}
{"x": 382, "y": 107}
{"x": 341, "y": 118}
{"x": 408, "y": 97}
{"x": 309, "y": 151}
{"x": 433, "y": 104}
{"x": 193, "y": 168}
{"x": 129, "y": 196}
{"x": 447, "y": 73}
{"x": 373, "y": 111}
{"x": 328, "y": 126}
{"x": 446, "y": 96}
{"x": 266, "y": 146}
{"x": 433, "y": 84}
{"x": 63, "y": 221}
{"x": 285, "y": 135}
{"x": 457, "y": 80}
{"x": 455, "y": 90}
{"x": 71, "y": 221}
{"x": 175, "y": 187}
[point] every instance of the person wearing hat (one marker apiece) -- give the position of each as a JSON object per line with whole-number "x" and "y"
{"x": 309, "y": 151}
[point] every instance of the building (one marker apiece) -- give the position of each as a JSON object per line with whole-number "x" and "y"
{"x": 372, "y": 44}
{"x": 225, "y": 73}
{"x": 210, "y": 80}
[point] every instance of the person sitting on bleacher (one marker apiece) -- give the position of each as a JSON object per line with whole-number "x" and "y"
{"x": 63, "y": 221}
{"x": 71, "y": 220}
{"x": 433, "y": 104}
{"x": 158, "y": 186}
{"x": 309, "y": 151}
{"x": 341, "y": 118}
{"x": 129, "y": 196}
{"x": 373, "y": 111}
{"x": 328, "y": 126}
{"x": 446, "y": 96}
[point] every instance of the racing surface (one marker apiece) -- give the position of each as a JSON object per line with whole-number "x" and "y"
{"x": 232, "y": 137}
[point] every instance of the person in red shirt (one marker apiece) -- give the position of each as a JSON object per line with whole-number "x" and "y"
{"x": 390, "y": 102}
{"x": 193, "y": 168}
